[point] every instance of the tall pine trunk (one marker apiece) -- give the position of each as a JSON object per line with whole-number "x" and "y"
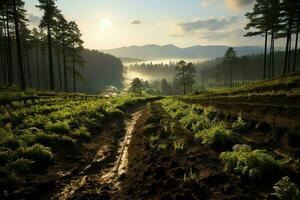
{"x": 19, "y": 52}
{"x": 45, "y": 70}
{"x": 28, "y": 68}
{"x": 265, "y": 54}
{"x": 296, "y": 47}
{"x": 59, "y": 69}
{"x": 51, "y": 70}
{"x": 286, "y": 57}
{"x": 74, "y": 73}
{"x": 65, "y": 66}
{"x": 37, "y": 66}
{"x": 9, "y": 50}
{"x": 273, "y": 56}
{"x": 289, "y": 54}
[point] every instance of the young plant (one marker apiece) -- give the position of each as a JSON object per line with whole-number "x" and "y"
{"x": 218, "y": 137}
{"x": 286, "y": 190}
{"x": 178, "y": 145}
{"x": 239, "y": 124}
{"x": 190, "y": 176}
{"x": 255, "y": 164}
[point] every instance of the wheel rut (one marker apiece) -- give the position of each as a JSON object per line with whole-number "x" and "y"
{"x": 101, "y": 177}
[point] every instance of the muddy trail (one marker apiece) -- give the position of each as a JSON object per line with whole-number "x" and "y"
{"x": 106, "y": 163}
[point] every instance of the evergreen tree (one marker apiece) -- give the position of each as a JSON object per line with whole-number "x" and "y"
{"x": 76, "y": 47}
{"x": 49, "y": 21}
{"x": 229, "y": 59}
{"x": 260, "y": 19}
{"x": 17, "y": 16}
{"x": 62, "y": 38}
{"x": 290, "y": 9}
{"x": 136, "y": 86}
{"x": 185, "y": 73}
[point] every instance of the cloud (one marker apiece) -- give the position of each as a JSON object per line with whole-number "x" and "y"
{"x": 211, "y": 24}
{"x": 136, "y": 22}
{"x": 34, "y": 19}
{"x": 238, "y": 5}
{"x": 206, "y": 3}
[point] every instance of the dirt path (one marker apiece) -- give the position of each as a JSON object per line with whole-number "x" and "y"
{"x": 101, "y": 177}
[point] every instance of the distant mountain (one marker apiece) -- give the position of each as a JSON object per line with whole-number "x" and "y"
{"x": 152, "y": 52}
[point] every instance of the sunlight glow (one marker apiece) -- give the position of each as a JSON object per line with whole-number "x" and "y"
{"x": 105, "y": 23}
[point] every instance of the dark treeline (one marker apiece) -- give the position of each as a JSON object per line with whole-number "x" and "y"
{"x": 244, "y": 69}
{"x": 47, "y": 57}
{"x": 100, "y": 70}
{"x": 217, "y": 73}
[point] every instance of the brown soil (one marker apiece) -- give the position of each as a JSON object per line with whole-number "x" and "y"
{"x": 159, "y": 174}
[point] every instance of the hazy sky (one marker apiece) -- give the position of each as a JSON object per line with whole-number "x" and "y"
{"x": 109, "y": 24}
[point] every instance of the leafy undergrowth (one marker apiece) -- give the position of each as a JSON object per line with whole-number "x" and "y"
{"x": 40, "y": 129}
{"x": 166, "y": 162}
{"x": 249, "y": 164}
{"x": 204, "y": 123}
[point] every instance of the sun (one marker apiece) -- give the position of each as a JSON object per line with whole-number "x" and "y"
{"x": 105, "y": 23}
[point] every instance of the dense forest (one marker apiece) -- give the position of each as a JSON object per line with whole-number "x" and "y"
{"x": 50, "y": 56}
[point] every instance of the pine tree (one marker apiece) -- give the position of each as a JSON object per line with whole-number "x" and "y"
{"x": 76, "y": 47}
{"x": 17, "y": 18}
{"x": 229, "y": 60}
{"x": 62, "y": 37}
{"x": 289, "y": 8}
{"x": 48, "y": 21}
{"x": 185, "y": 73}
{"x": 260, "y": 21}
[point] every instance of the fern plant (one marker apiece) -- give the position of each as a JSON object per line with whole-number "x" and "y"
{"x": 239, "y": 124}
{"x": 218, "y": 137}
{"x": 286, "y": 190}
{"x": 255, "y": 164}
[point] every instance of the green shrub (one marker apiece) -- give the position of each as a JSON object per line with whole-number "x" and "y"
{"x": 218, "y": 137}
{"x": 255, "y": 164}
{"x": 201, "y": 124}
{"x": 239, "y": 124}
{"x": 8, "y": 179}
{"x": 40, "y": 154}
{"x": 12, "y": 143}
{"x": 81, "y": 133}
{"x": 4, "y": 156}
{"x": 192, "y": 120}
{"x": 55, "y": 140}
{"x": 21, "y": 165}
{"x": 286, "y": 190}
{"x": 58, "y": 127}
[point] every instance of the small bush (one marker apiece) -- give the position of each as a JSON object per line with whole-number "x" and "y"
{"x": 201, "y": 124}
{"x": 286, "y": 190}
{"x": 81, "y": 133}
{"x": 39, "y": 153}
{"x": 194, "y": 121}
{"x": 255, "y": 164}
{"x": 21, "y": 165}
{"x": 239, "y": 124}
{"x": 58, "y": 127}
{"x": 55, "y": 141}
{"x": 4, "y": 156}
{"x": 8, "y": 179}
{"x": 218, "y": 137}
